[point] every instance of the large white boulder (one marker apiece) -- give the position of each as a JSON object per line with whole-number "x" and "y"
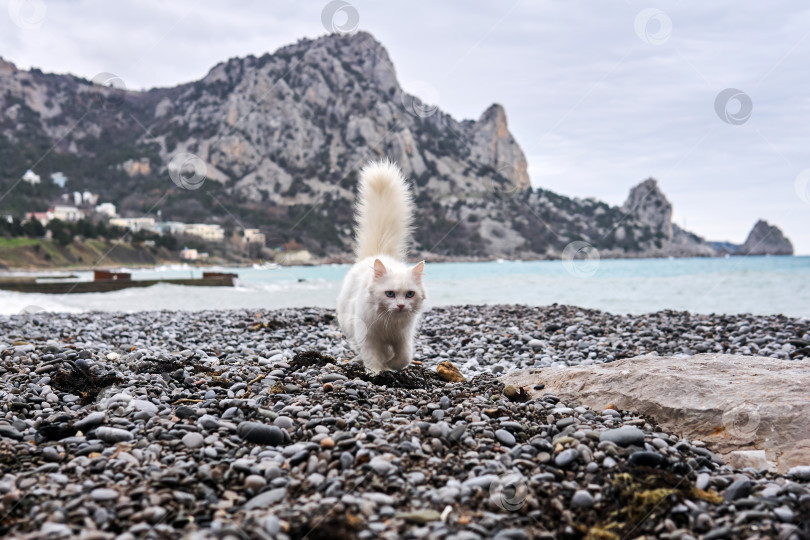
{"x": 736, "y": 404}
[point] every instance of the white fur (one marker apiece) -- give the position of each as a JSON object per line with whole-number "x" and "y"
{"x": 384, "y": 212}
{"x": 379, "y": 330}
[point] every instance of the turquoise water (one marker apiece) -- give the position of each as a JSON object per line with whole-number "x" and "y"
{"x": 759, "y": 285}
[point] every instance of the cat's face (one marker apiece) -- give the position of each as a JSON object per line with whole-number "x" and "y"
{"x": 398, "y": 291}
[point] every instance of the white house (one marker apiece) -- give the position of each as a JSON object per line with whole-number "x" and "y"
{"x": 253, "y": 236}
{"x": 31, "y": 177}
{"x": 65, "y": 213}
{"x": 42, "y": 217}
{"x": 302, "y": 256}
{"x": 211, "y": 233}
{"x": 187, "y": 254}
{"x": 135, "y": 224}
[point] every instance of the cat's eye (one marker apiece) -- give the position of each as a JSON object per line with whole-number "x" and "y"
{"x": 390, "y": 294}
{"x": 409, "y": 294}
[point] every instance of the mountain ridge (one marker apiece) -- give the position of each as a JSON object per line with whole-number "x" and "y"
{"x": 281, "y": 138}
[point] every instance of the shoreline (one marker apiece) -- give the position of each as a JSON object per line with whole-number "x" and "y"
{"x": 327, "y": 261}
{"x": 257, "y": 422}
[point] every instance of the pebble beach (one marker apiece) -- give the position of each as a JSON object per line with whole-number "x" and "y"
{"x": 259, "y": 424}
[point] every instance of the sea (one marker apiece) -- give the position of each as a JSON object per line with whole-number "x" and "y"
{"x": 732, "y": 285}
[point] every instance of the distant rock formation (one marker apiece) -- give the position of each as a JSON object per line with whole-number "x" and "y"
{"x": 6, "y": 68}
{"x": 492, "y": 143}
{"x": 765, "y": 239}
{"x": 650, "y": 206}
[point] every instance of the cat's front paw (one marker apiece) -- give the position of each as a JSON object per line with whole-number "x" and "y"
{"x": 373, "y": 366}
{"x": 396, "y": 364}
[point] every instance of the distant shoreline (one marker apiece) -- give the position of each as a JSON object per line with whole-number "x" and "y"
{"x": 326, "y": 261}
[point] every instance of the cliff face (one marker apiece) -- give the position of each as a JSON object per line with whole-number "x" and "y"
{"x": 281, "y": 137}
{"x": 648, "y": 204}
{"x": 765, "y": 239}
{"x": 651, "y": 207}
{"x": 294, "y": 127}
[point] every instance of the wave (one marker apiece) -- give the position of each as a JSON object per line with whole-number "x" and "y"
{"x": 14, "y": 303}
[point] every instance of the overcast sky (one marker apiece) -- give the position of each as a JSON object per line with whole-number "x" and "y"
{"x": 600, "y": 95}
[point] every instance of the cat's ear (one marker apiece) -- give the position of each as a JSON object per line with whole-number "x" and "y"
{"x": 379, "y": 268}
{"x": 419, "y": 269}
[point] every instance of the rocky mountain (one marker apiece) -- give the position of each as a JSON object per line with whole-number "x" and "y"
{"x": 649, "y": 204}
{"x": 276, "y": 141}
{"x": 765, "y": 239}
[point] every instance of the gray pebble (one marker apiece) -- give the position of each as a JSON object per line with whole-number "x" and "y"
{"x": 504, "y": 437}
{"x": 259, "y": 433}
{"x": 104, "y": 494}
{"x": 90, "y": 421}
{"x": 10, "y": 432}
{"x": 113, "y": 435}
{"x": 208, "y": 422}
{"x": 192, "y": 440}
{"x": 255, "y": 482}
{"x": 271, "y": 525}
{"x": 623, "y": 436}
{"x": 482, "y": 481}
{"x": 802, "y": 472}
{"x": 266, "y": 498}
{"x": 284, "y": 422}
{"x": 582, "y": 499}
{"x": 738, "y": 489}
{"x": 566, "y": 457}
{"x": 784, "y": 513}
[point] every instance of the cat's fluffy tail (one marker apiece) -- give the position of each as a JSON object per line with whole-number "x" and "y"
{"x": 384, "y": 212}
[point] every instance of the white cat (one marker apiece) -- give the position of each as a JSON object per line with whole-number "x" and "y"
{"x": 381, "y": 298}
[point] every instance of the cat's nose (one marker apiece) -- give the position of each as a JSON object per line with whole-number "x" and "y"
{"x": 401, "y": 306}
